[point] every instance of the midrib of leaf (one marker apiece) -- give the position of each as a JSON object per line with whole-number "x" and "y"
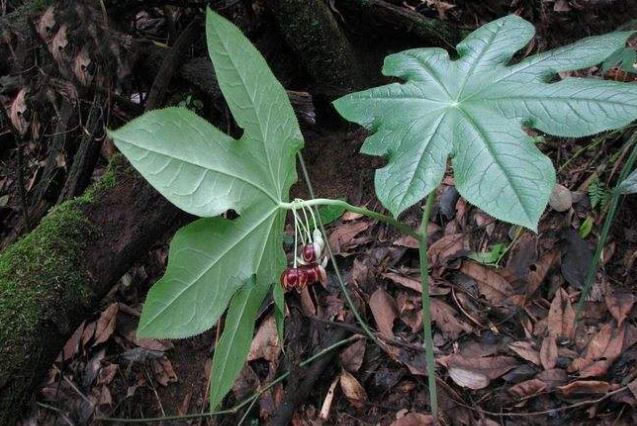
{"x": 422, "y": 154}
{"x": 171, "y": 157}
{"x": 262, "y": 138}
{"x": 477, "y": 61}
{"x": 487, "y": 144}
{"x": 432, "y": 73}
{"x": 270, "y": 214}
{"x": 558, "y": 98}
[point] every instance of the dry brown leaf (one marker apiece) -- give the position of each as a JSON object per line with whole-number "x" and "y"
{"x": 468, "y": 379}
{"x": 352, "y": 357}
{"x": 59, "y": 43}
{"x": 527, "y": 388}
{"x": 476, "y": 373}
{"x": 619, "y": 305}
{"x": 353, "y": 390}
{"x": 416, "y": 284}
{"x": 413, "y": 360}
{"x": 409, "y": 309}
{"x": 105, "y": 398}
{"x": 598, "y": 366}
{"x": 597, "y": 347}
{"x": 107, "y": 374}
{"x": 72, "y": 345}
{"x": 525, "y": 350}
{"x": 46, "y": 23}
{"x": 446, "y": 247}
{"x": 539, "y": 270}
{"x": 164, "y": 372}
{"x": 585, "y": 387}
{"x": 554, "y": 318}
{"x": 18, "y": 112}
{"x": 407, "y": 241}
{"x": 491, "y": 285}
{"x": 106, "y": 324}
{"x": 404, "y": 281}
{"x": 446, "y": 319}
{"x": 384, "y": 310}
{"x": 548, "y": 352}
{"x": 265, "y": 344}
{"x": 553, "y": 378}
{"x": 81, "y": 67}
{"x": 342, "y": 238}
{"x": 414, "y": 419}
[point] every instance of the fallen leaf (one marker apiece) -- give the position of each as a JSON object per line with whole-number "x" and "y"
{"x": 548, "y": 352}
{"x": 527, "y": 388}
{"x": 619, "y": 305}
{"x": 342, "y": 238}
{"x": 353, "y": 390}
{"x": 553, "y": 378}
{"x": 540, "y": 269}
{"x": 352, "y": 357}
{"x": 265, "y": 344}
{"x": 72, "y": 345}
{"x": 495, "y": 288}
{"x": 407, "y": 241}
{"x": 584, "y": 387}
{"x": 384, "y": 310}
{"x": 107, "y": 374}
{"x": 164, "y": 372}
{"x": 476, "y": 373}
{"x": 447, "y": 247}
{"x": 525, "y": 350}
{"x": 561, "y": 317}
{"x": 597, "y": 348}
{"x": 576, "y": 257}
{"x": 468, "y": 379}
{"x": 105, "y": 398}
{"x": 410, "y": 311}
{"x": 446, "y": 319}
{"x": 414, "y": 419}
{"x": 106, "y": 324}
{"x": 416, "y": 284}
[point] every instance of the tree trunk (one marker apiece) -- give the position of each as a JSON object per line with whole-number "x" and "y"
{"x": 311, "y": 30}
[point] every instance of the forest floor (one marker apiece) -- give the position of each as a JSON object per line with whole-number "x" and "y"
{"x": 508, "y": 348}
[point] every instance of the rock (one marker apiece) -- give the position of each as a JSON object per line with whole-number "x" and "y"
{"x": 561, "y": 199}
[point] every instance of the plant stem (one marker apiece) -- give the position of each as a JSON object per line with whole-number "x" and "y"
{"x": 337, "y": 270}
{"x": 426, "y": 305}
{"x": 608, "y": 222}
{"x": 242, "y": 403}
{"x": 405, "y": 229}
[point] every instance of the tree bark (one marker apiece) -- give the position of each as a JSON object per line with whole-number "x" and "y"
{"x": 311, "y": 30}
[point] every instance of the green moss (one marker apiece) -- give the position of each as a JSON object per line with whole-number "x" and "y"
{"x": 116, "y": 167}
{"x": 41, "y": 271}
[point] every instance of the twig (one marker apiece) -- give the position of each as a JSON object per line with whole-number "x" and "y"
{"x": 240, "y": 405}
{"x": 545, "y": 412}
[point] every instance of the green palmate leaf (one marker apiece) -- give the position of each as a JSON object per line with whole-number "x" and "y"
{"x": 206, "y": 172}
{"x": 473, "y": 109}
{"x": 234, "y": 345}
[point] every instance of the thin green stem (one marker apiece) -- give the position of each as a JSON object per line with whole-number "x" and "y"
{"x": 405, "y": 229}
{"x": 240, "y": 405}
{"x": 608, "y": 222}
{"x": 426, "y": 305}
{"x": 337, "y": 271}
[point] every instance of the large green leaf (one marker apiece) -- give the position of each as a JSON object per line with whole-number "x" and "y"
{"x": 473, "y": 109}
{"x": 206, "y": 172}
{"x": 234, "y": 345}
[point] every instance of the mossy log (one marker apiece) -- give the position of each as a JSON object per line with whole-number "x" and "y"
{"x": 51, "y": 279}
